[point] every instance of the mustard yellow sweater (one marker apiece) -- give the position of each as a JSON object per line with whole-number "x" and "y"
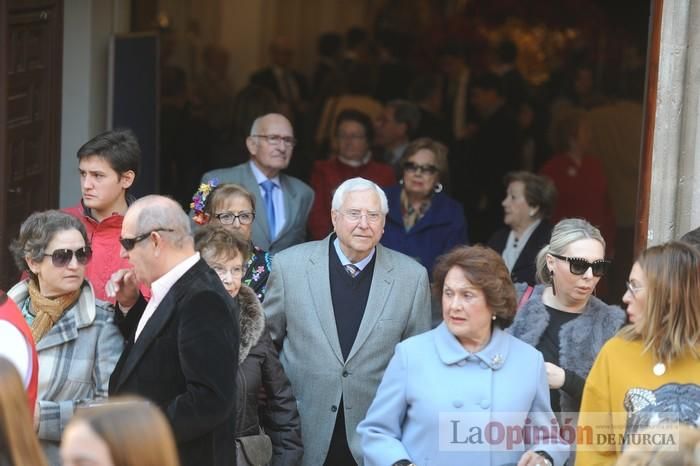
{"x": 622, "y": 393}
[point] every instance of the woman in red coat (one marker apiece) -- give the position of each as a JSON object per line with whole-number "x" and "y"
{"x": 582, "y": 188}
{"x": 354, "y": 133}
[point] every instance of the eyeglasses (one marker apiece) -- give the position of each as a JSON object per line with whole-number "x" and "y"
{"x": 129, "y": 243}
{"x": 416, "y": 168}
{"x": 236, "y": 272}
{"x": 276, "y": 139}
{"x": 633, "y": 289}
{"x": 579, "y": 266}
{"x": 62, "y": 257}
{"x": 352, "y": 137}
{"x": 356, "y": 216}
{"x": 227, "y": 218}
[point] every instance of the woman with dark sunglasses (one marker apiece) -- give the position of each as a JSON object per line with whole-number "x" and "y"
{"x": 423, "y": 222}
{"x": 562, "y": 318}
{"x": 76, "y": 341}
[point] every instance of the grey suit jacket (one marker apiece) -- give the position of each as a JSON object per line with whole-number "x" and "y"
{"x": 298, "y": 198}
{"x": 301, "y": 320}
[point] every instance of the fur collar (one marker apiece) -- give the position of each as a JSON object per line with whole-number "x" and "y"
{"x": 252, "y": 321}
{"x": 580, "y": 340}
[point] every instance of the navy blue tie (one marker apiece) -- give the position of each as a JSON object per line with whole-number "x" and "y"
{"x": 269, "y": 186}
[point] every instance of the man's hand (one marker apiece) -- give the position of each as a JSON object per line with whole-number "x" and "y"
{"x": 123, "y": 286}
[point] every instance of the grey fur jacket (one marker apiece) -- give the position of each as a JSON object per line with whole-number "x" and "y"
{"x": 580, "y": 340}
{"x": 259, "y": 367}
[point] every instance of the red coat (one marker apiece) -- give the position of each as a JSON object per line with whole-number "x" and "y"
{"x": 582, "y": 192}
{"x": 104, "y": 239}
{"x": 326, "y": 176}
{"x": 11, "y": 314}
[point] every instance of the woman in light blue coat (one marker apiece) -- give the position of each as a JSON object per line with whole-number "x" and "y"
{"x": 465, "y": 392}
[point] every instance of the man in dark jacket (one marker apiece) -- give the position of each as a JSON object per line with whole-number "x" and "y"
{"x": 182, "y": 346}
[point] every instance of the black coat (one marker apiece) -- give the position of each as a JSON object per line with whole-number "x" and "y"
{"x": 525, "y": 268}
{"x": 259, "y": 367}
{"x": 185, "y": 361}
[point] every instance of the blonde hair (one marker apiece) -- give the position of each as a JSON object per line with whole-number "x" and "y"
{"x": 18, "y": 441}
{"x": 563, "y": 234}
{"x": 135, "y": 431}
{"x": 671, "y": 323}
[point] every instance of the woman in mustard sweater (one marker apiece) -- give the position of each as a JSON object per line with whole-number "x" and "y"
{"x": 649, "y": 374}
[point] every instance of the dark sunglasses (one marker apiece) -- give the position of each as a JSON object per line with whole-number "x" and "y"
{"x": 578, "y": 266}
{"x": 129, "y": 243}
{"x": 414, "y": 167}
{"x": 62, "y": 257}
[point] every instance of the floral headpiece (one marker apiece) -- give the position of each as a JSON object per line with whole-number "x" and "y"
{"x": 199, "y": 201}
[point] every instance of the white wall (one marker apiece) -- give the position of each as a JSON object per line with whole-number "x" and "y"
{"x": 87, "y": 28}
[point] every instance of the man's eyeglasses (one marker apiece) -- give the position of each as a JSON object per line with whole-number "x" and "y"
{"x": 356, "y": 216}
{"x": 579, "y": 266}
{"x": 129, "y": 243}
{"x": 227, "y": 218}
{"x": 62, "y": 257}
{"x": 276, "y": 139}
{"x": 633, "y": 289}
{"x": 416, "y": 168}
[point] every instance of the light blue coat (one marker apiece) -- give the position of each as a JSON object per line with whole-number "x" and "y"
{"x": 435, "y": 395}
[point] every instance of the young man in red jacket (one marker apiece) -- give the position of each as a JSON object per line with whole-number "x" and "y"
{"x": 108, "y": 164}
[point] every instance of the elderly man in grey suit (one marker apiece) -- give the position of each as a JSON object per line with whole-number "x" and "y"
{"x": 336, "y": 308}
{"x": 282, "y": 202}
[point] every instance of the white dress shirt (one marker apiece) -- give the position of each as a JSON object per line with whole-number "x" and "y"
{"x": 160, "y": 288}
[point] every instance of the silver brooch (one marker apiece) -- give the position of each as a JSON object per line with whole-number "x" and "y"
{"x": 497, "y": 361}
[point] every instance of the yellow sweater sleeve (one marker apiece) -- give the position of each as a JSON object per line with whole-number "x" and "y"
{"x": 596, "y": 432}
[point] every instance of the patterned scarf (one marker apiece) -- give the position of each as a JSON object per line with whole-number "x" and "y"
{"x": 410, "y": 215}
{"x": 48, "y": 310}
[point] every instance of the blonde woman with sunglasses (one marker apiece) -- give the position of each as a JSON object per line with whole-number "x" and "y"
{"x": 562, "y": 318}
{"x": 76, "y": 341}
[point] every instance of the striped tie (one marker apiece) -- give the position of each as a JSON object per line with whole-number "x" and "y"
{"x": 352, "y": 270}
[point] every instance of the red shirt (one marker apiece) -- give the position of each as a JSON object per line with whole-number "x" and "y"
{"x": 104, "y": 240}
{"x": 326, "y": 176}
{"x": 582, "y": 192}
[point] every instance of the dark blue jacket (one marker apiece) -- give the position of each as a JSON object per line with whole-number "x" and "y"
{"x": 442, "y": 227}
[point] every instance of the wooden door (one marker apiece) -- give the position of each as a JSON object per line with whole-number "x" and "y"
{"x": 30, "y": 107}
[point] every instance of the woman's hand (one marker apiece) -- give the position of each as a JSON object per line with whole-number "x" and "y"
{"x": 555, "y": 375}
{"x": 530, "y": 458}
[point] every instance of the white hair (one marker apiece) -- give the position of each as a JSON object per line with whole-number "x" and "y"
{"x": 358, "y": 184}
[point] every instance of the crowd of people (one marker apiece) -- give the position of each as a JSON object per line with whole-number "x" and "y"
{"x": 286, "y": 324}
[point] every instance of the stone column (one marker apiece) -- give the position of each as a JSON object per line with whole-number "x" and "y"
{"x": 675, "y": 181}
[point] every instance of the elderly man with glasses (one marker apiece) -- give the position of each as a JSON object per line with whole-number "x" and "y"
{"x": 283, "y": 201}
{"x": 181, "y": 346}
{"x": 336, "y": 308}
